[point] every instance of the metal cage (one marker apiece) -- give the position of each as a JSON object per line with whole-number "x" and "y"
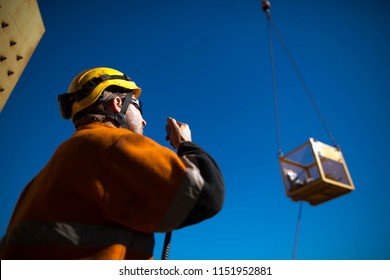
{"x": 315, "y": 172}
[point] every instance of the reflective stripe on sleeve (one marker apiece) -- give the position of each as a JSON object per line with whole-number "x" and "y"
{"x": 186, "y": 197}
{"x": 77, "y": 235}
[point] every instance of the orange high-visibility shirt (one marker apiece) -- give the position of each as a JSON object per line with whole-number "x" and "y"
{"x": 103, "y": 194}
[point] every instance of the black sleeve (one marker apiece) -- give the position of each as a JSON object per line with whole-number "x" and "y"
{"x": 211, "y": 198}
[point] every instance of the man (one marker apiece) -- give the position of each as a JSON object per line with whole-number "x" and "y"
{"x": 108, "y": 188}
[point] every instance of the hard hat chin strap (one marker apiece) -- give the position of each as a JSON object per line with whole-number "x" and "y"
{"x": 120, "y": 117}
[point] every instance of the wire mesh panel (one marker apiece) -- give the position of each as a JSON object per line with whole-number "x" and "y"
{"x": 315, "y": 172}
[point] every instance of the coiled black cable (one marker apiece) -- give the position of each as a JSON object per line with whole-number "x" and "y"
{"x": 167, "y": 246}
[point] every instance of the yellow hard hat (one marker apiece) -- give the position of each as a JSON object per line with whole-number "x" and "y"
{"x": 88, "y": 85}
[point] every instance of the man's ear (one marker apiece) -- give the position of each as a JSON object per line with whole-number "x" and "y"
{"x": 116, "y": 104}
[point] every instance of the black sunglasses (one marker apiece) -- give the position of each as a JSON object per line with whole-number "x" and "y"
{"x": 137, "y": 104}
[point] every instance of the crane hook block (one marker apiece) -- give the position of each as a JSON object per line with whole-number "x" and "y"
{"x": 266, "y": 6}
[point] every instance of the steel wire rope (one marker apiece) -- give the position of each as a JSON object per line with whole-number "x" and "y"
{"x": 266, "y": 8}
{"x": 280, "y": 152}
{"x": 294, "y": 257}
{"x": 306, "y": 88}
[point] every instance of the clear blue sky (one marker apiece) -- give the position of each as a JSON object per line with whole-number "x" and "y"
{"x": 207, "y": 63}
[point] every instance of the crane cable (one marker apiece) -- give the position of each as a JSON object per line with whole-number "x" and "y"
{"x": 266, "y": 6}
{"x": 280, "y": 152}
{"x": 294, "y": 257}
